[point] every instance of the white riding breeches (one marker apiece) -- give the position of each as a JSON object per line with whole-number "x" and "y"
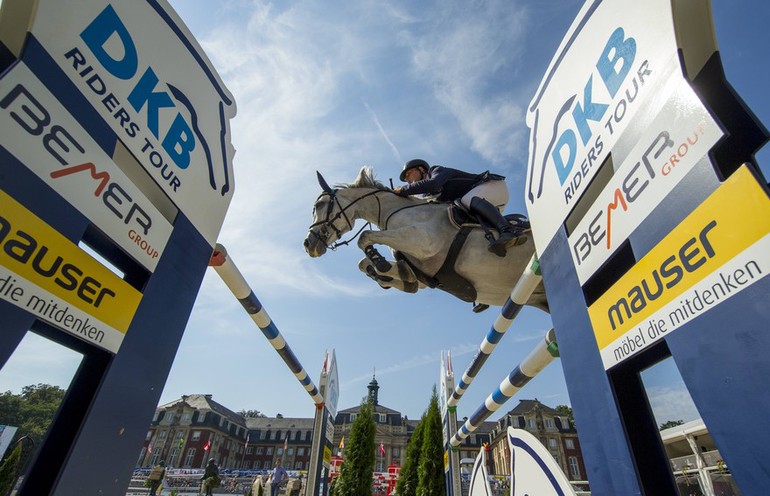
{"x": 495, "y": 192}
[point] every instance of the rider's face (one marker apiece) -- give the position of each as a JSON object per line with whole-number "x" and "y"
{"x": 413, "y": 175}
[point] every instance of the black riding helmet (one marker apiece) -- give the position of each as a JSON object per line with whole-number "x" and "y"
{"x": 415, "y": 162}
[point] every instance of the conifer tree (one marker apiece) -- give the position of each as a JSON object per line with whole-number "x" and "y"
{"x": 430, "y": 473}
{"x": 407, "y": 476}
{"x": 357, "y": 469}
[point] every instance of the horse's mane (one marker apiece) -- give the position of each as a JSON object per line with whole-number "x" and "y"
{"x": 365, "y": 179}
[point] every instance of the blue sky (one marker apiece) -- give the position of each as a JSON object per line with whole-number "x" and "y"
{"x": 333, "y": 88}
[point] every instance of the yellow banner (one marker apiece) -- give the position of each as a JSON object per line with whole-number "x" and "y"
{"x": 36, "y": 252}
{"x": 327, "y": 456}
{"x": 728, "y": 222}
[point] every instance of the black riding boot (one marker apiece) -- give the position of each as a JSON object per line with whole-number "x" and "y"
{"x": 492, "y": 215}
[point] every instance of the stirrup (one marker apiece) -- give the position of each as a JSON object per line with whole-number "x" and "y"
{"x": 480, "y": 307}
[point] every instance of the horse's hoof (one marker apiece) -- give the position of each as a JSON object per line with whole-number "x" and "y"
{"x": 480, "y": 307}
{"x": 382, "y": 265}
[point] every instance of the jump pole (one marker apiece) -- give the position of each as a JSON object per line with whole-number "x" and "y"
{"x": 538, "y": 359}
{"x": 521, "y": 292}
{"x": 234, "y": 280}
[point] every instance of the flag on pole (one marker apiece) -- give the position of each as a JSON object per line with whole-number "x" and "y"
{"x": 382, "y": 449}
{"x": 248, "y": 437}
{"x": 285, "y": 443}
{"x": 181, "y": 442}
{"x": 207, "y": 446}
{"x": 342, "y": 443}
{"x": 149, "y": 448}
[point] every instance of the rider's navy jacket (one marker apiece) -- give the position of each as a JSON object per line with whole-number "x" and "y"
{"x": 448, "y": 184}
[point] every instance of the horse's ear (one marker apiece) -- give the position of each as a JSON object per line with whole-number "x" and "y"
{"x": 323, "y": 183}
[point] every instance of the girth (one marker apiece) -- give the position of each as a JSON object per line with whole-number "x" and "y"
{"x": 446, "y": 278}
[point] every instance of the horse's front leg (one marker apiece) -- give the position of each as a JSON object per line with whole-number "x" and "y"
{"x": 406, "y": 239}
{"x": 408, "y": 283}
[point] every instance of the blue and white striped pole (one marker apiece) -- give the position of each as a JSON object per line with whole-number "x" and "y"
{"x": 240, "y": 288}
{"x": 526, "y": 284}
{"x": 542, "y": 355}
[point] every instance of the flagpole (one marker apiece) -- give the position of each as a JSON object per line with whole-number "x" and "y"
{"x": 244, "y": 451}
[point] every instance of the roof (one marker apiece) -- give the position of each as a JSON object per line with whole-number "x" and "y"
{"x": 290, "y": 423}
{"x": 204, "y": 402}
{"x": 377, "y": 409}
{"x": 526, "y": 406}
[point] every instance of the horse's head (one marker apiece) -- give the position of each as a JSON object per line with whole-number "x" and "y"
{"x": 330, "y": 221}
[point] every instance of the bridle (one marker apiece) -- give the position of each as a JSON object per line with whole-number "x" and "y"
{"x": 328, "y": 223}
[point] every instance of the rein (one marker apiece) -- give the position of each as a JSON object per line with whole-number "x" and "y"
{"x": 329, "y": 221}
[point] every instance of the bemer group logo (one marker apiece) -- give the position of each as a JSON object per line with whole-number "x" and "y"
{"x": 144, "y": 73}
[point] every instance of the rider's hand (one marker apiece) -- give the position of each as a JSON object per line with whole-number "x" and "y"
{"x": 399, "y": 190}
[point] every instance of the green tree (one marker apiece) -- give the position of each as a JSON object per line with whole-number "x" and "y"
{"x": 567, "y": 412}
{"x": 355, "y": 477}
{"x": 670, "y": 423}
{"x": 9, "y": 469}
{"x": 252, "y": 414}
{"x": 407, "y": 476}
{"x": 32, "y": 411}
{"x": 430, "y": 473}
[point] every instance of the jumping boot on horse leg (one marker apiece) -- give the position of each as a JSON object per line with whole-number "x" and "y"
{"x": 378, "y": 260}
{"x": 492, "y": 215}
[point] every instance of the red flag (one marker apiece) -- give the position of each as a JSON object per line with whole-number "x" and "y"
{"x": 382, "y": 450}
{"x": 207, "y": 446}
{"x": 149, "y": 448}
{"x": 248, "y": 436}
{"x": 285, "y": 442}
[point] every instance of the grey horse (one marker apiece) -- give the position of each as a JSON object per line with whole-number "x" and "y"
{"x": 421, "y": 232}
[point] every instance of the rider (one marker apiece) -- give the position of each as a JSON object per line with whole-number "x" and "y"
{"x": 484, "y": 194}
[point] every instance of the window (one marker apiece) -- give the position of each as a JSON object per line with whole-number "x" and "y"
{"x": 172, "y": 459}
{"x": 279, "y": 451}
{"x": 574, "y": 468}
{"x": 149, "y": 435}
{"x": 382, "y": 418}
{"x": 300, "y": 451}
{"x": 569, "y": 443}
{"x": 552, "y": 443}
{"x": 396, "y": 452}
{"x": 260, "y": 450}
{"x": 196, "y": 435}
{"x": 549, "y": 424}
{"x": 189, "y": 459}
{"x": 249, "y": 450}
{"x": 278, "y": 436}
{"x": 269, "y": 450}
{"x": 299, "y": 465}
{"x": 290, "y": 451}
{"x": 531, "y": 424}
{"x": 162, "y": 434}
{"x": 297, "y": 435}
{"x": 352, "y": 417}
{"x": 186, "y": 417}
{"x": 308, "y": 435}
{"x": 179, "y": 435}
{"x": 155, "y": 457}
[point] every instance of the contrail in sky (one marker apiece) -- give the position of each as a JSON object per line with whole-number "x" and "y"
{"x": 383, "y": 133}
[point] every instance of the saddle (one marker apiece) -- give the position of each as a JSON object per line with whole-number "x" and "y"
{"x": 446, "y": 278}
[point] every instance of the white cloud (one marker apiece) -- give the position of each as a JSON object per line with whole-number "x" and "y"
{"x": 462, "y": 56}
{"x": 672, "y": 403}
